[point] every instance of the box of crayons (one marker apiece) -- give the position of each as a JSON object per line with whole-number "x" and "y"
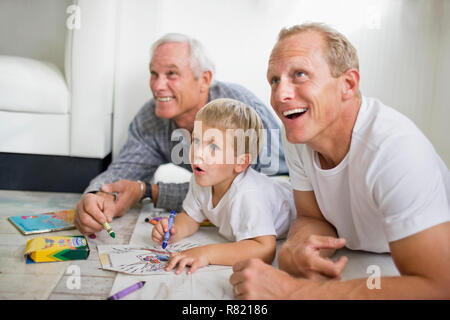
{"x": 48, "y": 249}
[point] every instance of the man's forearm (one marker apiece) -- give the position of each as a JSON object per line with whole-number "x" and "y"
{"x": 400, "y": 287}
{"x": 300, "y": 230}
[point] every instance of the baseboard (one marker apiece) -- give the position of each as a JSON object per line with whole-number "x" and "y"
{"x": 48, "y": 173}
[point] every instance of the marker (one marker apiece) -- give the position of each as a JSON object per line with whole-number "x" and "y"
{"x": 109, "y": 229}
{"x": 127, "y": 291}
{"x": 167, "y": 234}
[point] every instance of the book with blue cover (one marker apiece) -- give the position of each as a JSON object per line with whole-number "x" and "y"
{"x": 44, "y": 222}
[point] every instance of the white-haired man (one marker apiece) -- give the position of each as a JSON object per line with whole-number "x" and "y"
{"x": 363, "y": 176}
{"x": 181, "y": 82}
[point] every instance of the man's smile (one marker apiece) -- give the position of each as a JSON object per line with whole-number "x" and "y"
{"x": 294, "y": 113}
{"x": 164, "y": 99}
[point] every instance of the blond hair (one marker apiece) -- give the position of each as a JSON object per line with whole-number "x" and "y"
{"x": 339, "y": 53}
{"x": 229, "y": 114}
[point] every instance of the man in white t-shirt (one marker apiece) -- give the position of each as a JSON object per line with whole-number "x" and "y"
{"x": 363, "y": 175}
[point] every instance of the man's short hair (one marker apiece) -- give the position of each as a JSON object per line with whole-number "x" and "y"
{"x": 339, "y": 53}
{"x": 242, "y": 119}
{"x": 199, "y": 60}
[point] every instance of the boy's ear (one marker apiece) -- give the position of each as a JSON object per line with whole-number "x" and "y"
{"x": 242, "y": 162}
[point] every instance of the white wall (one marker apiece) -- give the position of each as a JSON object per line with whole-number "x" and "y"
{"x": 404, "y": 49}
{"x": 25, "y": 33}
{"x": 440, "y": 119}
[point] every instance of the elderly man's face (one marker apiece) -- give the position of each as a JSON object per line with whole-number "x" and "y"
{"x": 303, "y": 93}
{"x": 175, "y": 90}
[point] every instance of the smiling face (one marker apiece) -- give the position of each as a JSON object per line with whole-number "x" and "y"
{"x": 304, "y": 94}
{"x": 176, "y": 92}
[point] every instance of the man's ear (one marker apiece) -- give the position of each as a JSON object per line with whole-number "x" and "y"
{"x": 205, "y": 80}
{"x": 350, "y": 86}
{"x": 242, "y": 162}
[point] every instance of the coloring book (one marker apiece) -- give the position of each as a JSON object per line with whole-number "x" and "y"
{"x": 151, "y": 259}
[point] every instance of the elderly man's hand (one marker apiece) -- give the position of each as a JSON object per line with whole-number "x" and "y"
{"x": 255, "y": 280}
{"x": 128, "y": 193}
{"x": 93, "y": 210}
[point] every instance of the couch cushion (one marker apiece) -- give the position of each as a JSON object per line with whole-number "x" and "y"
{"x": 29, "y": 85}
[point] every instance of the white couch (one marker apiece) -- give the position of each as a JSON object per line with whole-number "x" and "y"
{"x": 56, "y": 92}
{"x": 56, "y": 80}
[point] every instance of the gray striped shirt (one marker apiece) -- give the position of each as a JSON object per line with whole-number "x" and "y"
{"x": 151, "y": 143}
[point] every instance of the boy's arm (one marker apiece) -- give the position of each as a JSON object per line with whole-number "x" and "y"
{"x": 184, "y": 225}
{"x": 224, "y": 254}
{"x": 263, "y": 247}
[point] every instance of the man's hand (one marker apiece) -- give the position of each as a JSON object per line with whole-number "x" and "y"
{"x": 305, "y": 259}
{"x": 92, "y": 211}
{"x": 128, "y": 193}
{"x": 255, "y": 280}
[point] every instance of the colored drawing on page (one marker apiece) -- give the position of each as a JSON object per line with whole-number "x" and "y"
{"x": 139, "y": 260}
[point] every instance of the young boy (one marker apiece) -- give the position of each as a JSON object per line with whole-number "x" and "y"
{"x": 249, "y": 208}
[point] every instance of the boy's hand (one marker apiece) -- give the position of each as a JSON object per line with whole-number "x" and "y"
{"x": 195, "y": 258}
{"x": 160, "y": 229}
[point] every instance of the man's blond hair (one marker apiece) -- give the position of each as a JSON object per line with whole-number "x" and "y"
{"x": 339, "y": 53}
{"x": 246, "y": 125}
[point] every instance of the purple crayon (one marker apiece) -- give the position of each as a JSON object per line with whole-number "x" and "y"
{"x": 127, "y": 291}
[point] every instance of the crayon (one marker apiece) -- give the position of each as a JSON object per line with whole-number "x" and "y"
{"x": 127, "y": 291}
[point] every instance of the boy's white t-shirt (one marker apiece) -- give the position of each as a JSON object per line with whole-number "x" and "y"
{"x": 254, "y": 205}
{"x": 390, "y": 185}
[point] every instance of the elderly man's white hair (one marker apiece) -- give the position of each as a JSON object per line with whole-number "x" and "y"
{"x": 199, "y": 59}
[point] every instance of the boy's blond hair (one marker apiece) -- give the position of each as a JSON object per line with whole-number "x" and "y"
{"x": 229, "y": 114}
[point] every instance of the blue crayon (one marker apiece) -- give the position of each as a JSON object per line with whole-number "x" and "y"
{"x": 167, "y": 234}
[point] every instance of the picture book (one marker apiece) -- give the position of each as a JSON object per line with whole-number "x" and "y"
{"x": 44, "y": 222}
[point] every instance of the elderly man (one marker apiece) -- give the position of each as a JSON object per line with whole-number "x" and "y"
{"x": 181, "y": 83}
{"x": 363, "y": 175}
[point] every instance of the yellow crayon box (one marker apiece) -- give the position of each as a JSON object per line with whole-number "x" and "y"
{"x": 48, "y": 249}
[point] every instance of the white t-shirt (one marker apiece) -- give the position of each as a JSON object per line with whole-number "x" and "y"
{"x": 390, "y": 185}
{"x": 254, "y": 205}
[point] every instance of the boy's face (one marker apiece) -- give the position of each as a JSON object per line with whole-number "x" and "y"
{"x": 212, "y": 156}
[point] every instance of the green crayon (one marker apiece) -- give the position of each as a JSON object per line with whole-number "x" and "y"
{"x": 109, "y": 229}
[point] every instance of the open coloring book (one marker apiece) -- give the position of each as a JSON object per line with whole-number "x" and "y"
{"x": 151, "y": 259}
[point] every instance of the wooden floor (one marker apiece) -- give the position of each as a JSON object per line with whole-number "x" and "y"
{"x": 52, "y": 280}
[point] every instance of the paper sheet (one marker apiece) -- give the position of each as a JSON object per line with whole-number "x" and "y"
{"x": 150, "y": 259}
